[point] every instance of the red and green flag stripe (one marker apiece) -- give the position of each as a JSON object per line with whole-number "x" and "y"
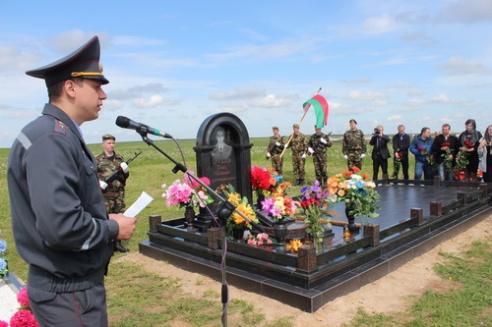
{"x": 321, "y": 109}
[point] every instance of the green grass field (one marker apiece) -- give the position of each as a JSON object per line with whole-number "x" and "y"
{"x": 151, "y": 300}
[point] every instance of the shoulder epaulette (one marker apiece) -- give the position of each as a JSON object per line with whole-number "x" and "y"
{"x": 60, "y": 127}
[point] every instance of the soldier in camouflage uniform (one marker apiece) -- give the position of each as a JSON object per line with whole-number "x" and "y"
{"x": 275, "y": 148}
{"x": 318, "y": 143}
{"x": 354, "y": 146}
{"x": 114, "y": 194}
{"x": 298, "y": 145}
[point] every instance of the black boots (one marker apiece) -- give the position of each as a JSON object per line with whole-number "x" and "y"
{"x": 120, "y": 248}
{"x": 299, "y": 182}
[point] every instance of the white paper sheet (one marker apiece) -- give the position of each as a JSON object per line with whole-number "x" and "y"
{"x": 143, "y": 200}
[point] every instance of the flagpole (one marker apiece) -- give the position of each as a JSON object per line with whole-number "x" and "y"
{"x": 299, "y": 123}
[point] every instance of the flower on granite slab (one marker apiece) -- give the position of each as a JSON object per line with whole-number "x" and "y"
{"x": 187, "y": 193}
{"x": 359, "y": 194}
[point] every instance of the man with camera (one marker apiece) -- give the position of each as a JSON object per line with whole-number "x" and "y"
{"x": 380, "y": 152}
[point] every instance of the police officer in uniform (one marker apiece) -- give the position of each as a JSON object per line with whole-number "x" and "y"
{"x": 318, "y": 143}
{"x": 275, "y": 148}
{"x": 354, "y": 146}
{"x": 109, "y": 162}
{"x": 60, "y": 224}
{"x": 298, "y": 145}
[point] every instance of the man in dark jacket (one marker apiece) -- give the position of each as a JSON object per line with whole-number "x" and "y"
{"x": 401, "y": 144}
{"x": 59, "y": 220}
{"x": 380, "y": 152}
{"x": 445, "y": 148}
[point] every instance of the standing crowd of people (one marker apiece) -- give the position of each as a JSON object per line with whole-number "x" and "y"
{"x": 448, "y": 156}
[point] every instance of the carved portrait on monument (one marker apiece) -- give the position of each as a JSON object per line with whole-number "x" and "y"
{"x": 221, "y": 151}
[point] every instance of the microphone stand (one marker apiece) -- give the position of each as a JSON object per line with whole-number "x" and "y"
{"x": 224, "y": 211}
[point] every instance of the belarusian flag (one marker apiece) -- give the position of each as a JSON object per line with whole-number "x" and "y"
{"x": 320, "y": 109}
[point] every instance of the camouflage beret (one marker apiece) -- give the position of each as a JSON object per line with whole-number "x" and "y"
{"x": 108, "y": 137}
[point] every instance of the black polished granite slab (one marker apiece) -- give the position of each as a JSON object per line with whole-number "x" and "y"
{"x": 341, "y": 268}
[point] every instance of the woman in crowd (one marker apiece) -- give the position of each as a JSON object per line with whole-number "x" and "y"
{"x": 469, "y": 141}
{"x": 485, "y": 153}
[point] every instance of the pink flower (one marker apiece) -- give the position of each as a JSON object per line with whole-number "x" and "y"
{"x": 251, "y": 241}
{"x": 3, "y": 324}
{"x": 178, "y": 194}
{"x": 23, "y": 318}
{"x": 22, "y": 297}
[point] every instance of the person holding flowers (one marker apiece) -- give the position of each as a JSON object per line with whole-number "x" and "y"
{"x": 421, "y": 147}
{"x": 445, "y": 148}
{"x": 469, "y": 141}
{"x": 485, "y": 153}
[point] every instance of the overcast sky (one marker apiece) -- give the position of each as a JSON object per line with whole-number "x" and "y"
{"x": 171, "y": 64}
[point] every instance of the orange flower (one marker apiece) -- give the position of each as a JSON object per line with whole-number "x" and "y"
{"x": 348, "y": 173}
{"x": 365, "y": 176}
{"x": 355, "y": 169}
{"x": 294, "y": 245}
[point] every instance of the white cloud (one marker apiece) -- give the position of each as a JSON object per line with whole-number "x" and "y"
{"x": 380, "y": 25}
{"x": 238, "y": 93}
{"x": 366, "y": 96}
{"x": 393, "y": 118}
{"x": 460, "y": 66}
{"x": 272, "y": 101}
{"x": 152, "y": 101}
{"x": 466, "y": 11}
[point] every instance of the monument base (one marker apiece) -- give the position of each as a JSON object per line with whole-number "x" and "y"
{"x": 344, "y": 265}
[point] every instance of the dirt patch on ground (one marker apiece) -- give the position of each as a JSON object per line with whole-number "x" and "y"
{"x": 392, "y": 293}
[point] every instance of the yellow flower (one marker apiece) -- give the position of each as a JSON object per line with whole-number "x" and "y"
{"x": 234, "y": 198}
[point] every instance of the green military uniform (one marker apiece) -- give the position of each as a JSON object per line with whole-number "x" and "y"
{"x": 319, "y": 144}
{"x": 354, "y": 145}
{"x": 114, "y": 194}
{"x": 275, "y": 148}
{"x": 298, "y": 145}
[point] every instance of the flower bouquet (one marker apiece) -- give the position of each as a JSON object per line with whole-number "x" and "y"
{"x": 236, "y": 221}
{"x": 24, "y": 316}
{"x": 314, "y": 207}
{"x": 267, "y": 183}
{"x": 462, "y": 157}
{"x": 359, "y": 194}
{"x": 279, "y": 207}
{"x": 448, "y": 157}
{"x": 187, "y": 193}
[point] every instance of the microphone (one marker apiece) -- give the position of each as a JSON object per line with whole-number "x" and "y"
{"x": 124, "y": 122}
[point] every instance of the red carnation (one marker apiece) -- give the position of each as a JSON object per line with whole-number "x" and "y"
{"x": 445, "y": 144}
{"x": 22, "y": 297}
{"x": 420, "y": 148}
{"x": 468, "y": 144}
{"x": 261, "y": 178}
{"x": 23, "y": 318}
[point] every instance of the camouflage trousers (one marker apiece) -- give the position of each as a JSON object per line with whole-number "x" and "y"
{"x": 115, "y": 201}
{"x": 354, "y": 160}
{"x": 277, "y": 163}
{"x": 320, "y": 165}
{"x": 298, "y": 166}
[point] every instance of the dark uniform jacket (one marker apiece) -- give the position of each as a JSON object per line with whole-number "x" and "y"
{"x": 59, "y": 220}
